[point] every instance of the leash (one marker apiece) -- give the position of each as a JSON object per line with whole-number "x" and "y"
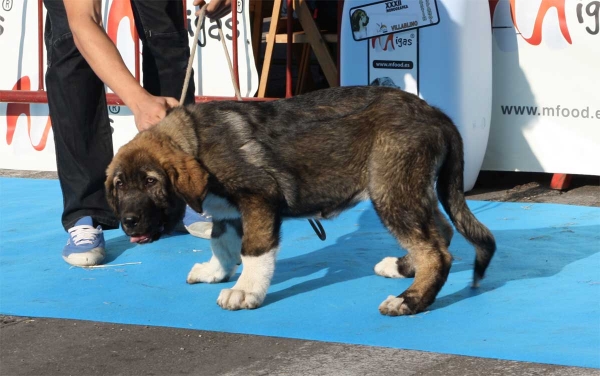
{"x": 188, "y": 71}
{"x": 314, "y": 223}
{"x": 318, "y": 228}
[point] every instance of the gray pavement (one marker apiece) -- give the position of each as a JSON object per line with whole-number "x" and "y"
{"x": 38, "y": 346}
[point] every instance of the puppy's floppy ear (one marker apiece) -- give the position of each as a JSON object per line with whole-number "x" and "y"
{"x": 189, "y": 179}
{"x": 109, "y": 187}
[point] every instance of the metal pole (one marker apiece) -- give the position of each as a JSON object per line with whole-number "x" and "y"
{"x": 36, "y": 96}
{"x": 288, "y": 63}
{"x": 40, "y": 45}
{"x": 339, "y": 34}
{"x": 236, "y": 72}
{"x": 136, "y": 46}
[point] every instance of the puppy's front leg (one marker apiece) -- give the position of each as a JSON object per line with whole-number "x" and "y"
{"x": 226, "y": 244}
{"x": 260, "y": 244}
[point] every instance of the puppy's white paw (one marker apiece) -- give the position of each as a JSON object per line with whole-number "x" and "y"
{"x": 233, "y": 299}
{"x": 388, "y": 267}
{"x": 251, "y": 288}
{"x": 395, "y": 306}
{"x": 208, "y": 272}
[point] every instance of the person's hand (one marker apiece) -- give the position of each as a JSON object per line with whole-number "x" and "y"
{"x": 148, "y": 110}
{"x": 215, "y": 8}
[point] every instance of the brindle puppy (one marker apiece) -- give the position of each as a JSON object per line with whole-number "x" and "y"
{"x": 252, "y": 164}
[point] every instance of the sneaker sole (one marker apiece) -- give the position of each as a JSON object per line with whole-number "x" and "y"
{"x": 200, "y": 229}
{"x": 90, "y": 258}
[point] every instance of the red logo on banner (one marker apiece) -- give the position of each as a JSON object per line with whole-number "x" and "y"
{"x": 389, "y": 39}
{"x": 15, "y": 110}
{"x": 536, "y": 36}
{"x": 119, "y": 9}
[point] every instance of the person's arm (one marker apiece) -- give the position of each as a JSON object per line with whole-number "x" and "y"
{"x": 85, "y": 21}
{"x": 215, "y": 8}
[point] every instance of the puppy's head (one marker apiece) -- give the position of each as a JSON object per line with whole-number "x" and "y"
{"x": 148, "y": 183}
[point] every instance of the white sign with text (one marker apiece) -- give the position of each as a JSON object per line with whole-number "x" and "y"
{"x": 546, "y": 102}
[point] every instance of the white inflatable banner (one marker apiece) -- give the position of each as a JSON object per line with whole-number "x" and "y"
{"x": 27, "y": 140}
{"x": 447, "y": 62}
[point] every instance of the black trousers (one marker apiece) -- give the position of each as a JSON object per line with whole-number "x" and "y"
{"x": 77, "y": 102}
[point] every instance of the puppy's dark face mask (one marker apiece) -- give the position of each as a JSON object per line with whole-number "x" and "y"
{"x": 145, "y": 202}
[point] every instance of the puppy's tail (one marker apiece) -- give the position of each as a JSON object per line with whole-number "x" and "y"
{"x": 450, "y": 190}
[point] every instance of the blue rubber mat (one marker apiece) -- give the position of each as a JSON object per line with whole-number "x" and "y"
{"x": 540, "y": 301}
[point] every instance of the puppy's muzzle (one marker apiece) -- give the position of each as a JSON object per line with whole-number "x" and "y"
{"x": 141, "y": 219}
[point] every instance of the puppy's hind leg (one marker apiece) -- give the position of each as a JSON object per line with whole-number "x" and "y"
{"x": 406, "y": 203}
{"x": 396, "y": 267}
{"x": 226, "y": 244}
{"x": 443, "y": 225}
{"x": 404, "y": 267}
{"x": 428, "y": 256}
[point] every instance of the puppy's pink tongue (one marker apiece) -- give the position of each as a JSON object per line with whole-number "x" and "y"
{"x": 140, "y": 239}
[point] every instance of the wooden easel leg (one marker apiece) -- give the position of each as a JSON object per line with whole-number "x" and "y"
{"x": 318, "y": 44}
{"x": 264, "y": 76}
